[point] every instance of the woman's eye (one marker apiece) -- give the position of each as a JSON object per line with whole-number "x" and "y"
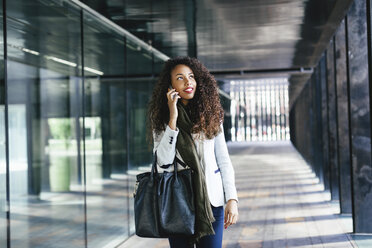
{"x": 179, "y": 78}
{"x": 191, "y": 76}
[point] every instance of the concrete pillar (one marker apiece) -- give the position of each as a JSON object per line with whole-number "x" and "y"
{"x": 357, "y": 42}
{"x": 332, "y": 122}
{"x": 316, "y": 96}
{"x": 343, "y": 135}
{"x": 324, "y": 124}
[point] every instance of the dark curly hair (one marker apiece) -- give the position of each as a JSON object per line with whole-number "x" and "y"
{"x": 205, "y": 109}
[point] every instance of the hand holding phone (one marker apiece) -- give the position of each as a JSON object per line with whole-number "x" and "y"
{"x": 172, "y": 96}
{"x": 171, "y": 88}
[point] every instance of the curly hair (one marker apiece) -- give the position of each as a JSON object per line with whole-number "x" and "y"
{"x": 205, "y": 109}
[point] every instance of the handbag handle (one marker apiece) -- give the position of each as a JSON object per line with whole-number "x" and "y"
{"x": 180, "y": 162}
{"x": 175, "y": 168}
{"x": 154, "y": 169}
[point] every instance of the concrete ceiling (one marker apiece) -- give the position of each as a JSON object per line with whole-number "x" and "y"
{"x": 235, "y": 38}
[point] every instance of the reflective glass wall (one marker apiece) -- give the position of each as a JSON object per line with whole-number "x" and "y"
{"x": 77, "y": 90}
{"x": 44, "y": 87}
{"x": 3, "y": 165}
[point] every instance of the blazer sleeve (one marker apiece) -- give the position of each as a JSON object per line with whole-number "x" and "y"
{"x": 225, "y": 166}
{"x": 165, "y": 146}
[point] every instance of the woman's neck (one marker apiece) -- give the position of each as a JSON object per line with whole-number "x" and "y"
{"x": 184, "y": 101}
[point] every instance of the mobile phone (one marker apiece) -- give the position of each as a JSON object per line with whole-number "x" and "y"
{"x": 170, "y": 87}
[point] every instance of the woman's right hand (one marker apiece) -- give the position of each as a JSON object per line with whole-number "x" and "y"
{"x": 172, "y": 96}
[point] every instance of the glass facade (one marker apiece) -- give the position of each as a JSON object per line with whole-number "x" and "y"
{"x": 3, "y": 164}
{"x": 73, "y": 98}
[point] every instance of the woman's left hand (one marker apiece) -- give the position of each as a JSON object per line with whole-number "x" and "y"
{"x": 231, "y": 213}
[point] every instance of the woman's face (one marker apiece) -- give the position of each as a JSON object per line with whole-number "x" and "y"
{"x": 183, "y": 82}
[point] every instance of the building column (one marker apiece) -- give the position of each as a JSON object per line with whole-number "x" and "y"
{"x": 343, "y": 121}
{"x": 357, "y": 43}
{"x": 332, "y": 122}
{"x": 324, "y": 137}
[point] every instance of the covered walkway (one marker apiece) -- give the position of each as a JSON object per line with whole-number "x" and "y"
{"x": 76, "y": 77}
{"x": 281, "y": 203}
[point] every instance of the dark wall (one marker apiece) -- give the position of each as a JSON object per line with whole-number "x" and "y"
{"x": 305, "y": 116}
{"x": 359, "y": 69}
{"x": 330, "y": 121}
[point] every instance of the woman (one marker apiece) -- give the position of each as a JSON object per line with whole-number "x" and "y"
{"x": 185, "y": 116}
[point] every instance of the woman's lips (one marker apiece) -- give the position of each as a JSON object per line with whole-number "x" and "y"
{"x": 189, "y": 90}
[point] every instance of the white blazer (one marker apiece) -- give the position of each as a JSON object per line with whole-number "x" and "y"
{"x": 214, "y": 157}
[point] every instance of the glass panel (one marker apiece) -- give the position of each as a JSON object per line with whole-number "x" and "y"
{"x": 140, "y": 151}
{"x": 158, "y": 65}
{"x": 105, "y": 134}
{"x": 44, "y": 92}
{"x": 3, "y": 203}
{"x": 140, "y": 61}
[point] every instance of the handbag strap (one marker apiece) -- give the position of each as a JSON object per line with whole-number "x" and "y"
{"x": 154, "y": 169}
{"x": 180, "y": 162}
{"x": 166, "y": 166}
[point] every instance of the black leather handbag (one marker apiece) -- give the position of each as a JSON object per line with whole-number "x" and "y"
{"x": 164, "y": 203}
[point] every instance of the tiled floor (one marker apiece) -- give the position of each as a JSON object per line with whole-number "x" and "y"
{"x": 281, "y": 203}
{"x": 56, "y": 220}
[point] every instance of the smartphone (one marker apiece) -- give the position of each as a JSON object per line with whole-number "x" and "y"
{"x": 170, "y": 87}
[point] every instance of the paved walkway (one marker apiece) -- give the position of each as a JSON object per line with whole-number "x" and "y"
{"x": 281, "y": 203}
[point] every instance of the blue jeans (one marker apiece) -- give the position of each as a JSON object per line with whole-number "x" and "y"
{"x": 210, "y": 241}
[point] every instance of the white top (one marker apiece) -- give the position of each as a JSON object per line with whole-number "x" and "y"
{"x": 214, "y": 158}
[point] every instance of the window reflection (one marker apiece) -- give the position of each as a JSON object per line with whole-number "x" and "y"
{"x": 3, "y": 194}
{"x": 3, "y": 190}
{"x": 140, "y": 153}
{"x": 44, "y": 89}
{"x": 78, "y": 95}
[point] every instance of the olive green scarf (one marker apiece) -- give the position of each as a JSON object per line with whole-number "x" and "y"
{"x": 186, "y": 147}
